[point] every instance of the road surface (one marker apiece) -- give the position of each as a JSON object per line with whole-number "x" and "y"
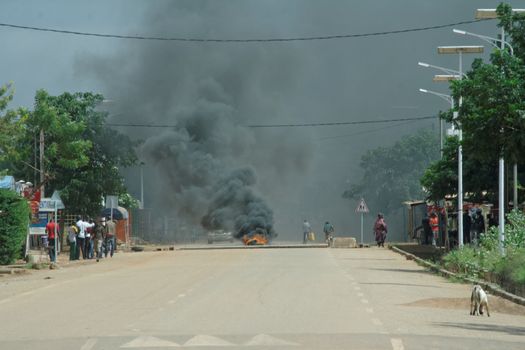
{"x": 317, "y": 298}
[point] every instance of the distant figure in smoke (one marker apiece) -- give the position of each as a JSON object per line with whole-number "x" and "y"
{"x": 380, "y": 230}
{"x": 306, "y": 231}
{"x": 328, "y": 230}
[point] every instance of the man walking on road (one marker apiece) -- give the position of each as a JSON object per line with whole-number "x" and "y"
{"x": 111, "y": 233}
{"x": 306, "y": 231}
{"x": 328, "y": 230}
{"x": 99, "y": 232}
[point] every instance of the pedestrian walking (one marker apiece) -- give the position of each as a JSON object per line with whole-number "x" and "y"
{"x": 99, "y": 235}
{"x": 111, "y": 235}
{"x": 52, "y": 231}
{"x": 72, "y": 232}
{"x": 306, "y": 230}
{"x": 380, "y": 230}
{"x": 328, "y": 230}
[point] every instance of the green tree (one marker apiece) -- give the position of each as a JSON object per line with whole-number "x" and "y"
{"x": 492, "y": 118}
{"x": 514, "y": 26}
{"x": 441, "y": 177}
{"x": 14, "y": 220}
{"x": 10, "y": 128}
{"x": 391, "y": 174}
{"x": 492, "y": 115}
{"x": 82, "y": 157}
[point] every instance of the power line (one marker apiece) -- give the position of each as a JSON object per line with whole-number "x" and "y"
{"x": 182, "y": 39}
{"x": 338, "y": 123}
{"x": 135, "y": 125}
{"x": 358, "y": 133}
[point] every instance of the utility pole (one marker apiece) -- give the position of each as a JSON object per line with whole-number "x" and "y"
{"x": 42, "y": 177}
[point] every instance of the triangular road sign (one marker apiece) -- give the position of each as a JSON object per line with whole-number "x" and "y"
{"x": 361, "y": 207}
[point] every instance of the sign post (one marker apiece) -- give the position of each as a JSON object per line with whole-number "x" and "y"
{"x": 362, "y": 209}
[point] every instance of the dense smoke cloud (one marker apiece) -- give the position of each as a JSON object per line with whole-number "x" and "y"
{"x": 205, "y": 168}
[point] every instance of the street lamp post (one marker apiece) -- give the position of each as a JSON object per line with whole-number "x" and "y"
{"x": 447, "y": 98}
{"x": 501, "y": 176}
{"x": 460, "y": 50}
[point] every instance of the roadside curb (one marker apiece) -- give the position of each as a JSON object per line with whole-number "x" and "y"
{"x": 493, "y": 288}
{"x": 269, "y": 246}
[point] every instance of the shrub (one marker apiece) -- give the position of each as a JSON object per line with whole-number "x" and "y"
{"x": 464, "y": 261}
{"x": 515, "y": 230}
{"x": 14, "y": 221}
{"x": 510, "y": 270}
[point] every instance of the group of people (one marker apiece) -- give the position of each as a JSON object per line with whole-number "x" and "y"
{"x": 328, "y": 230}
{"x": 473, "y": 225}
{"x": 380, "y": 231}
{"x": 94, "y": 239}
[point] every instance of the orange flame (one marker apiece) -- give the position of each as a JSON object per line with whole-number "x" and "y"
{"x": 256, "y": 239}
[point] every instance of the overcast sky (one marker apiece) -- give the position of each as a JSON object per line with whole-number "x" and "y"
{"x": 291, "y": 82}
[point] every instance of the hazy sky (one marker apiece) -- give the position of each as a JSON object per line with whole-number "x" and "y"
{"x": 291, "y": 82}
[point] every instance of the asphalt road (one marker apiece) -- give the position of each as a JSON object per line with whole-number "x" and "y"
{"x": 317, "y": 298}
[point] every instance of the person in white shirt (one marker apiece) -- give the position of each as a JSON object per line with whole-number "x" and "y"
{"x": 306, "y": 231}
{"x": 81, "y": 237}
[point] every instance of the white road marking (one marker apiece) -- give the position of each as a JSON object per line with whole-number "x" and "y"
{"x": 181, "y": 295}
{"x": 364, "y": 301}
{"x": 267, "y": 340}
{"x": 90, "y": 343}
{"x": 172, "y": 301}
{"x": 207, "y": 340}
{"x": 377, "y": 322}
{"x": 369, "y": 310}
{"x": 360, "y": 294}
{"x": 357, "y": 288}
{"x": 397, "y": 344}
{"x": 149, "y": 342}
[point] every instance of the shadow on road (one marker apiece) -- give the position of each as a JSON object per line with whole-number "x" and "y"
{"x": 399, "y": 270}
{"x": 512, "y": 330}
{"x": 373, "y": 259}
{"x": 401, "y": 284}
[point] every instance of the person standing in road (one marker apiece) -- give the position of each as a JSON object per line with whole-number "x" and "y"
{"x": 306, "y": 230}
{"x": 81, "y": 237}
{"x": 380, "y": 230}
{"x": 90, "y": 243}
{"x": 111, "y": 233}
{"x": 72, "y": 232}
{"x": 51, "y": 231}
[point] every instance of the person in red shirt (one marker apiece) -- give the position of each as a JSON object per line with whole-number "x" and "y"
{"x": 52, "y": 231}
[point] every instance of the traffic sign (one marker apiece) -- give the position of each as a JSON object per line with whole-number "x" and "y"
{"x": 361, "y": 207}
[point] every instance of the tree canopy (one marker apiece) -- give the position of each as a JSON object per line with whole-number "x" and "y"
{"x": 391, "y": 174}
{"x": 82, "y": 156}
